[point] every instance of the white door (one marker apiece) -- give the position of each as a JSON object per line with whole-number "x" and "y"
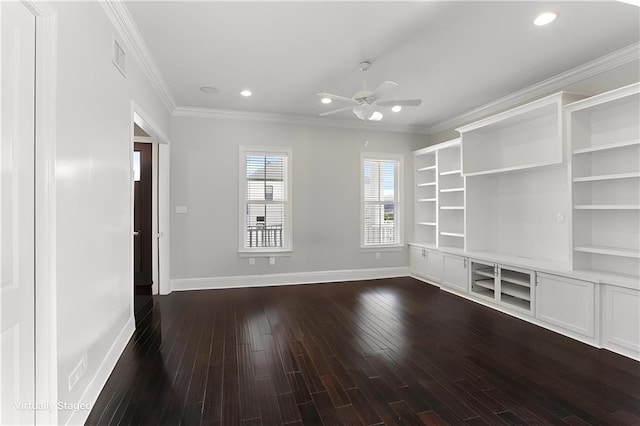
{"x": 17, "y": 389}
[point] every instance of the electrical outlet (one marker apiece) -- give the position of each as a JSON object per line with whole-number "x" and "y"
{"x": 78, "y": 372}
{"x": 377, "y": 255}
{"x": 560, "y": 218}
{"x": 181, "y": 209}
{"x": 272, "y": 261}
{"x": 252, "y": 261}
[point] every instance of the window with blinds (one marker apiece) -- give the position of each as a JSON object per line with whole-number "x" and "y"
{"x": 266, "y": 215}
{"x": 381, "y": 200}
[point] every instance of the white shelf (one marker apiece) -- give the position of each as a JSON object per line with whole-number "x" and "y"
{"x": 606, "y": 147}
{"x": 452, "y": 234}
{"x": 518, "y": 303}
{"x": 508, "y": 169}
{"x": 607, "y": 177}
{"x": 518, "y": 292}
{"x": 451, "y": 172}
{"x": 487, "y": 273}
{"x": 426, "y": 184}
{"x": 427, "y": 223}
{"x": 488, "y": 284}
{"x": 451, "y": 207}
{"x": 452, "y": 190}
{"x": 514, "y": 278}
{"x": 610, "y": 251}
{"x": 484, "y": 292}
{"x": 424, "y": 169}
{"x": 424, "y": 200}
{"x": 607, "y": 207}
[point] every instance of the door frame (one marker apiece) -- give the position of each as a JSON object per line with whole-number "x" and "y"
{"x": 45, "y": 333}
{"x": 159, "y": 201}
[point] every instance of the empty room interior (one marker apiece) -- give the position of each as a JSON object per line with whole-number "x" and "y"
{"x": 320, "y": 212}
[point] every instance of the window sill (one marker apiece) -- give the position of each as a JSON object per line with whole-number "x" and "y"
{"x": 265, "y": 253}
{"x": 394, "y": 247}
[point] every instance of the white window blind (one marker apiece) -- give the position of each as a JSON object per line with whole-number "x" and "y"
{"x": 381, "y": 215}
{"x": 266, "y": 214}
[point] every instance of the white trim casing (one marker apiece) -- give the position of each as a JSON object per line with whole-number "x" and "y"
{"x": 160, "y": 198}
{"x": 91, "y": 393}
{"x": 301, "y": 120}
{"x": 551, "y": 85}
{"x": 267, "y": 280}
{"x": 46, "y": 336}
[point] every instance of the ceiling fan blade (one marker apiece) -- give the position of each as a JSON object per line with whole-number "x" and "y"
{"x": 404, "y": 102}
{"x": 337, "y": 97}
{"x": 384, "y": 89}
{"x": 347, "y": 108}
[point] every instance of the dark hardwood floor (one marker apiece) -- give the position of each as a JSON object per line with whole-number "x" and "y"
{"x": 393, "y": 351}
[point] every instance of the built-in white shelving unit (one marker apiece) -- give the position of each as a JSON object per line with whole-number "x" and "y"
{"x": 536, "y": 212}
{"x": 451, "y": 198}
{"x": 426, "y": 193}
{"x": 604, "y": 133}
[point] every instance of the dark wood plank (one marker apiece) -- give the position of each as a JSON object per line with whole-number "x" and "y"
{"x": 392, "y": 351}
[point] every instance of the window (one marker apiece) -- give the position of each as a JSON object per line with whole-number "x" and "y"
{"x": 265, "y": 210}
{"x": 381, "y": 212}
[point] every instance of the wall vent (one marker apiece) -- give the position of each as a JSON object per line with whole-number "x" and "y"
{"x": 119, "y": 57}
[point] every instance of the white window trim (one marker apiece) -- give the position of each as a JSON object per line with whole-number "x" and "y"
{"x": 288, "y": 243}
{"x": 399, "y": 205}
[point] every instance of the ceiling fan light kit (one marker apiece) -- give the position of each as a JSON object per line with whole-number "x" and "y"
{"x": 367, "y": 103}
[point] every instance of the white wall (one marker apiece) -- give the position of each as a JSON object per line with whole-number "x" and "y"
{"x": 326, "y": 196}
{"x": 94, "y": 280}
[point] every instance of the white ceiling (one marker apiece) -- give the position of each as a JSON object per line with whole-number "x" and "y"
{"x": 455, "y": 56}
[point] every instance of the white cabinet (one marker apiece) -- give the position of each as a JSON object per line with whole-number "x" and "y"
{"x": 567, "y": 303}
{"x": 426, "y": 263}
{"x": 520, "y": 138}
{"x": 506, "y": 286}
{"x": 621, "y": 320}
{"x": 605, "y": 146}
{"x": 455, "y": 275}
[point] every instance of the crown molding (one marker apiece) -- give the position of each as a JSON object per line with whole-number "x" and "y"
{"x": 543, "y": 88}
{"x": 263, "y": 117}
{"x": 124, "y": 24}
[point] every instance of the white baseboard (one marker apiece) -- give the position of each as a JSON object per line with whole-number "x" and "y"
{"x": 90, "y": 395}
{"x": 266, "y": 280}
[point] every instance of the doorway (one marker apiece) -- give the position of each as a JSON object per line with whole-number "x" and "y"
{"x": 142, "y": 217}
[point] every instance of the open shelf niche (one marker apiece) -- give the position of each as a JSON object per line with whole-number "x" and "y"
{"x": 426, "y": 197}
{"x": 605, "y": 174}
{"x": 517, "y": 189}
{"x": 524, "y": 137}
{"x": 451, "y": 197}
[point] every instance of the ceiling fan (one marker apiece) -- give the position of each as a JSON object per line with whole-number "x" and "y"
{"x": 366, "y": 104}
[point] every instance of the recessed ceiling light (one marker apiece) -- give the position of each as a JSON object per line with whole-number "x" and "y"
{"x": 210, "y": 90}
{"x": 545, "y": 18}
{"x": 246, "y": 93}
{"x": 396, "y": 108}
{"x": 326, "y": 100}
